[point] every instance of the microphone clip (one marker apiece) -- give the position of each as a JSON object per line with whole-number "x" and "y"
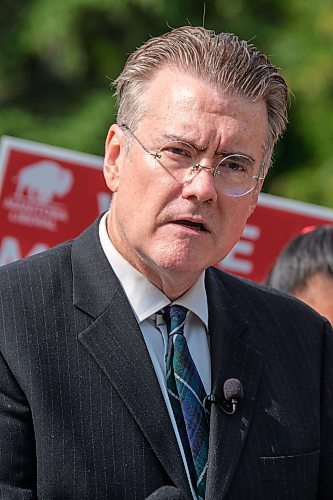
{"x": 233, "y": 394}
{"x": 229, "y": 406}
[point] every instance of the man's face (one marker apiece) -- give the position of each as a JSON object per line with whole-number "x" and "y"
{"x": 165, "y": 228}
{"x": 317, "y": 293}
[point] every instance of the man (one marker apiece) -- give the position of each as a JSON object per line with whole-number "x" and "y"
{"x": 304, "y": 268}
{"x": 109, "y": 392}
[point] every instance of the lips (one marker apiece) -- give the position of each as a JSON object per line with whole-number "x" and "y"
{"x": 199, "y": 226}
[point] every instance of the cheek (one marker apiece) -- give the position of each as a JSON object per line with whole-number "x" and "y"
{"x": 234, "y": 212}
{"x": 253, "y": 200}
{"x": 135, "y": 180}
{"x": 135, "y": 206}
{"x": 233, "y": 215}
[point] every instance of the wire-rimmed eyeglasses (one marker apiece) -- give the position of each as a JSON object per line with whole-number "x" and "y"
{"x": 233, "y": 174}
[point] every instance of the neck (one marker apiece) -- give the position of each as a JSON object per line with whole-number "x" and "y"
{"x": 172, "y": 281}
{"x": 172, "y": 285}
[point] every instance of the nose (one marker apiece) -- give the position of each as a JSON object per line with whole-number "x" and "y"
{"x": 201, "y": 186}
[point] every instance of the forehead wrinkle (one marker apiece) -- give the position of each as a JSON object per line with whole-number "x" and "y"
{"x": 178, "y": 138}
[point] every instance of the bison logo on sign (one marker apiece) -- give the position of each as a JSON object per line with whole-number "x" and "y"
{"x": 35, "y": 200}
{"x": 44, "y": 180}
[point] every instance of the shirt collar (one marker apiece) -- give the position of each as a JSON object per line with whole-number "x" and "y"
{"x": 145, "y": 298}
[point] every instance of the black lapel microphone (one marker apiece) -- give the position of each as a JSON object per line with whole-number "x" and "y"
{"x": 232, "y": 395}
{"x": 166, "y": 493}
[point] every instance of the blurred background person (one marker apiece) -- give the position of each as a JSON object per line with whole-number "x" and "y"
{"x": 304, "y": 269}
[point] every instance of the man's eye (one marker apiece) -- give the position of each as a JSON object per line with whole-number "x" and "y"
{"x": 179, "y": 152}
{"x": 235, "y": 166}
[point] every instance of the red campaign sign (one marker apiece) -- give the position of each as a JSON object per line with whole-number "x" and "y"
{"x": 272, "y": 225}
{"x": 47, "y": 195}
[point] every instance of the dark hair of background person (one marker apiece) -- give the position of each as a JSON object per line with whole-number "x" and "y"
{"x": 307, "y": 254}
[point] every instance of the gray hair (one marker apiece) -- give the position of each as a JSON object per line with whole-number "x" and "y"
{"x": 234, "y": 65}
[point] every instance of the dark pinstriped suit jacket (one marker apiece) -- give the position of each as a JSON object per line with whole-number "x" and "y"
{"x": 81, "y": 412}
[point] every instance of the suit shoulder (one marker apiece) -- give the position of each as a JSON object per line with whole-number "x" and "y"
{"x": 36, "y": 264}
{"x": 261, "y": 297}
{"x": 243, "y": 285}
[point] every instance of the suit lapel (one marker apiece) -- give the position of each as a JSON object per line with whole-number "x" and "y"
{"x": 116, "y": 343}
{"x": 231, "y": 357}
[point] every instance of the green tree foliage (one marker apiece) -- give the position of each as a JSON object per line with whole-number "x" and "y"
{"x": 59, "y": 57}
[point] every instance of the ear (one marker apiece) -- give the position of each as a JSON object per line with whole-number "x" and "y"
{"x": 113, "y": 158}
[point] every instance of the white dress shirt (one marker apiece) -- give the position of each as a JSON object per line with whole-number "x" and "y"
{"x": 146, "y": 300}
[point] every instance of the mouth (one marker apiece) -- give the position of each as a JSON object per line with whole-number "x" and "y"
{"x": 197, "y": 226}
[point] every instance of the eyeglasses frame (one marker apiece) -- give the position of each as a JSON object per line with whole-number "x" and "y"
{"x": 196, "y": 166}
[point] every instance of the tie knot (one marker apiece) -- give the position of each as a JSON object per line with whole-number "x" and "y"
{"x": 175, "y": 318}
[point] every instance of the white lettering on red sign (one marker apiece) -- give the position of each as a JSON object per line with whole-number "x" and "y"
{"x": 10, "y": 250}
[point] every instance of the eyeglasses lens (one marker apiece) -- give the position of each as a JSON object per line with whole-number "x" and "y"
{"x": 233, "y": 175}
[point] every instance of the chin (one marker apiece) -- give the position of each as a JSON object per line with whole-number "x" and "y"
{"x": 179, "y": 258}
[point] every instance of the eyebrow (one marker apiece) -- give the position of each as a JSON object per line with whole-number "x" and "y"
{"x": 177, "y": 138}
